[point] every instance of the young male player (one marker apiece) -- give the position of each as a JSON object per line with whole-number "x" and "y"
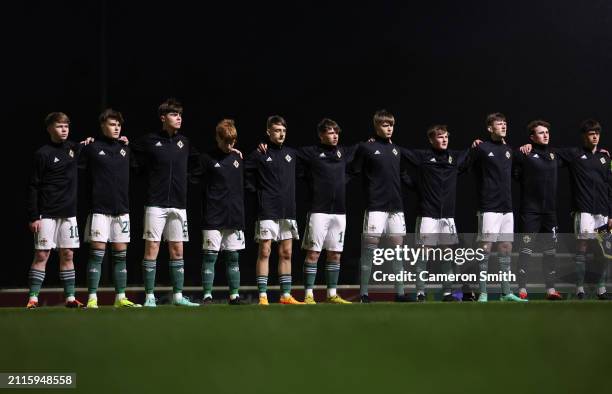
{"x": 272, "y": 176}
{"x": 52, "y": 208}
{"x": 222, "y": 210}
{"x": 324, "y": 168}
{"x": 380, "y": 163}
{"x": 493, "y": 169}
{"x": 107, "y": 165}
{"x": 438, "y": 168}
{"x": 537, "y": 174}
{"x": 165, "y": 156}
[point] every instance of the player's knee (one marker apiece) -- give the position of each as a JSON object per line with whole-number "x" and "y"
{"x": 313, "y": 255}
{"x": 264, "y": 250}
{"x": 505, "y": 247}
{"x": 40, "y": 258}
{"x": 151, "y": 250}
{"x": 119, "y": 247}
{"x": 486, "y": 246}
{"x": 284, "y": 251}
{"x": 371, "y": 242}
{"x": 66, "y": 255}
{"x": 175, "y": 249}
{"x": 396, "y": 240}
{"x": 333, "y": 257}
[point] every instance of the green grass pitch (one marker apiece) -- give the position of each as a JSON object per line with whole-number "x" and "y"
{"x": 378, "y": 348}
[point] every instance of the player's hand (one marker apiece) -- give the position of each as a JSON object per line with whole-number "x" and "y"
{"x": 605, "y": 151}
{"x": 124, "y": 139}
{"x": 35, "y": 226}
{"x": 88, "y": 140}
{"x": 236, "y": 151}
{"x": 476, "y": 143}
{"x": 525, "y": 149}
{"x": 262, "y": 148}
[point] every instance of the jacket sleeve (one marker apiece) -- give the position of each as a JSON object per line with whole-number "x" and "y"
{"x": 411, "y": 156}
{"x": 349, "y": 153}
{"x": 250, "y": 171}
{"x": 565, "y": 155}
{"x": 302, "y": 166}
{"x": 355, "y": 167}
{"x": 197, "y": 172}
{"x": 404, "y": 161}
{"x": 83, "y": 159}
{"x": 34, "y": 187}
{"x": 193, "y": 161}
{"x": 138, "y": 156}
{"x": 518, "y": 158}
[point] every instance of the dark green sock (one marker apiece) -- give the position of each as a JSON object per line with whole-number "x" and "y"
{"x": 603, "y": 275}
{"x": 367, "y": 255}
{"x": 232, "y": 267}
{"x": 580, "y": 260}
{"x": 177, "y": 275}
{"x": 447, "y": 269}
{"x": 94, "y": 269}
{"x": 119, "y": 270}
{"x": 504, "y": 265}
{"x": 310, "y": 274}
{"x": 209, "y": 258}
{"x": 285, "y": 283}
{"x": 68, "y": 278}
{"x": 398, "y": 270}
{"x": 550, "y": 272}
{"x": 421, "y": 265}
{"x": 148, "y": 275}
{"x": 332, "y": 271}
{"x": 483, "y": 267}
{"x": 523, "y": 265}
{"x": 36, "y": 279}
{"x": 262, "y": 283}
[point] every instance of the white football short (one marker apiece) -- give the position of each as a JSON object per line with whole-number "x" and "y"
{"x": 379, "y": 222}
{"x": 324, "y": 231}
{"x": 495, "y": 226}
{"x": 218, "y": 240}
{"x": 586, "y": 224}
{"x": 433, "y": 232}
{"x": 57, "y": 233}
{"x": 107, "y": 228}
{"x": 169, "y": 223}
{"x": 276, "y": 230}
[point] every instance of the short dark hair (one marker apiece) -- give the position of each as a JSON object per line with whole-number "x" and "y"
{"x": 535, "y": 123}
{"x": 495, "y": 117}
{"x": 327, "y": 123}
{"x": 110, "y": 113}
{"x": 590, "y": 125}
{"x": 169, "y": 106}
{"x": 381, "y": 116}
{"x": 436, "y": 130}
{"x": 276, "y": 119}
{"x": 56, "y": 117}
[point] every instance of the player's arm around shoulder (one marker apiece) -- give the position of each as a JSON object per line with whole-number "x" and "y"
{"x": 413, "y": 156}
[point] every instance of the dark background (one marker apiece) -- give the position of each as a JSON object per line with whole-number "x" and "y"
{"x": 428, "y": 62}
